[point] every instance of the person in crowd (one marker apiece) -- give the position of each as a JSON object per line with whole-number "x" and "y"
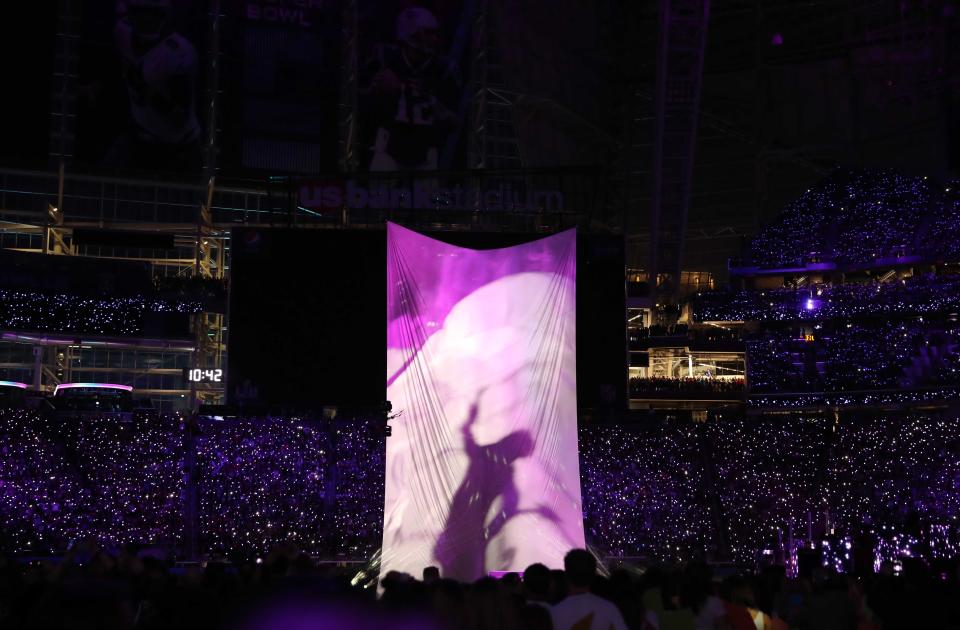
{"x": 581, "y": 609}
{"x": 536, "y": 585}
{"x": 431, "y": 574}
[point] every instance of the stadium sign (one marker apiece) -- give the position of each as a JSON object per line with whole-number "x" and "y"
{"x": 297, "y": 13}
{"x": 426, "y": 194}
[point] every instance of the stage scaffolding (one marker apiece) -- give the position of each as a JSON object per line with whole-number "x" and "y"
{"x": 40, "y": 209}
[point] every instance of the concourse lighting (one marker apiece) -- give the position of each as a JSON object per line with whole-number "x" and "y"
{"x": 126, "y": 388}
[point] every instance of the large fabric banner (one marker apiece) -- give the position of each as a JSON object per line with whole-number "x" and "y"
{"x": 482, "y": 467}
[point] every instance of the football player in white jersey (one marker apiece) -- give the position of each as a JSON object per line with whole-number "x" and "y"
{"x": 160, "y": 69}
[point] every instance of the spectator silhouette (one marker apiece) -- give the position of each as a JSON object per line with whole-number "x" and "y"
{"x": 581, "y": 609}
{"x": 536, "y": 584}
{"x": 431, "y": 574}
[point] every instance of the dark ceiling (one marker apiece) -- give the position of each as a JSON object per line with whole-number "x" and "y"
{"x": 791, "y": 90}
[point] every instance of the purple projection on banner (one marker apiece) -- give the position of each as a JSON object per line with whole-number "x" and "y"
{"x": 482, "y": 468}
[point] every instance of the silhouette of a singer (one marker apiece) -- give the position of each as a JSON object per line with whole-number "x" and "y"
{"x": 461, "y": 547}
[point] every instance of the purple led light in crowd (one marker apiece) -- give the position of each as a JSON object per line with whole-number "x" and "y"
{"x": 855, "y": 218}
{"x": 916, "y": 295}
{"x": 647, "y": 488}
{"x": 64, "y": 313}
{"x": 13, "y": 384}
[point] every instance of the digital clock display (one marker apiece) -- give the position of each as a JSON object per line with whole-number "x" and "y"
{"x": 203, "y": 375}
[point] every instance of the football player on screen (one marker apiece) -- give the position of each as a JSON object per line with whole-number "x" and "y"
{"x": 413, "y": 93}
{"x": 160, "y": 70}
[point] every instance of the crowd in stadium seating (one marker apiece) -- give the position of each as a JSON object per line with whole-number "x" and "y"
{"x": 65, "y": 479}
{"x": 267, "y": 481}
{"x": 880, "y": 215}
{"x": 847, "y": 340}
{"x": 766, "y": 487}
{"x": 838, "y": 357}
{"x": 360, "y": 467}
{"x": 643, "y": 491}
{"x": 858, "y": 217}
{"x": 901, "y": 397}
{"x": 797, "y": 235}
{"x": 65, "y": 313}
{"x": 263, "y": 482}
{"x": 919, "y": 295}
{"x": 259, "y": 482}
{"x": 870, "y": 492}
{"x": 941, "y": 234}
{"x": 660, "y": 387}
{"x": 947, "y": 371}
{"x": 666, "y": 490}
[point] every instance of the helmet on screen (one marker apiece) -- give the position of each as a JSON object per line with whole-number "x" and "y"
{"x": 417, "y": 28}
{"x": 148, "y": 18}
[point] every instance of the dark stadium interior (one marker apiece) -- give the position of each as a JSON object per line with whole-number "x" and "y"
{"x": 340, "y": 321}
{"x": 752, "y": 365}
